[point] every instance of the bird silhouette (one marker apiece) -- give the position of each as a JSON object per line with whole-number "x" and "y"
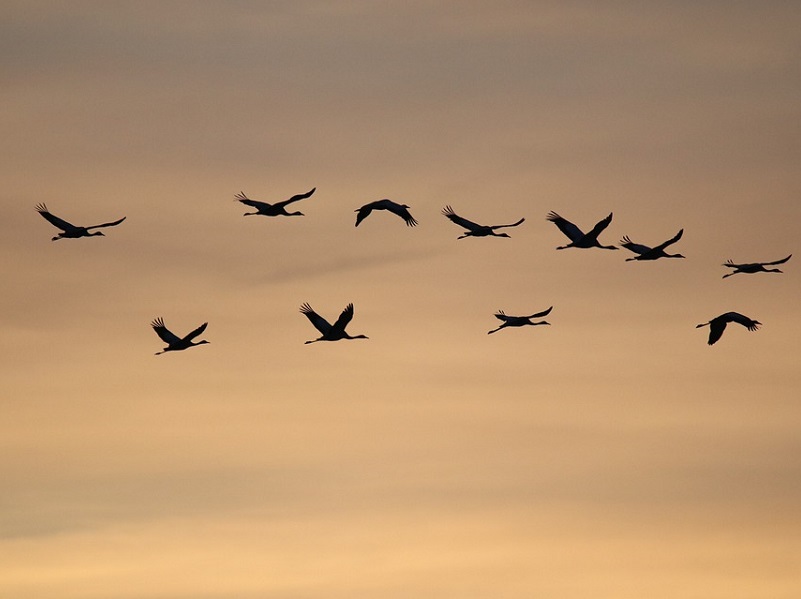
{"x": 330, "y": 332}
{"x": 718, "y": 324}
{"x": 173, "y": 341}
{"x": 579, "y": 239}
{"x": 401, "y": 210}
{"x": 754, "y": 266}
{"x": 519, "y": 321}
{"x": 474, "y": 229}
{"x": 651, "y": 253}
{"x": 70, "y": 231}
{"x": 277, "y": 209}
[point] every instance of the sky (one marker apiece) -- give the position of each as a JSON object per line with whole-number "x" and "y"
{"x": 613, "y": 454}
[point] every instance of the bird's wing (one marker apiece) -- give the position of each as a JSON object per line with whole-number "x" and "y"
{"x": 565, "y": 226}
{"x": 320, "y": 323}
{"x": 403, "y": 213}
{"x": 111, "y": 224}
{"x": 541, "y": 314}
{"x": 363, "y": 212}
{"x": 462, "y": 222}
{"x": 241, "y": 197}
{"x": 512, "y": 225}
{"x": 53, "y": 219}
{"x": 166, "y": 335}
{"x": 637, "y": 248}
{"x": 344, "y": 318}
{"x": 716, "y": 328}
{"x": 731, "y": 264}
{"x": 600, "y": 226}
{"x": 782, "y": 261}
{"x": 295, "y": 198}
{"x": 748, "y": 323}
{"x": 670, "y": 241}
{"x": 196, "y": 332}
{"x": 501, "y": 315}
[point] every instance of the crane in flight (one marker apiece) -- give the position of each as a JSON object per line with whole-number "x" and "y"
{"x": 651, "y": 253}
{"x": 718, "y": 324}
{"x": 70, "y": 231}
{"x": 173, "y": 341}
{"x": 578, "y": 238}
{"x": 754, "y": 267}
{"x": 519, "y": 321}
{"x": 277, "y": 209}
{"x": 473, "y": 229}
{"x": 401, "y": 210}
{"x": 328, "y": 331}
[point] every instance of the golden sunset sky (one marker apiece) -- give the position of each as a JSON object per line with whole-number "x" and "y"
{"x": 612, "y": 455}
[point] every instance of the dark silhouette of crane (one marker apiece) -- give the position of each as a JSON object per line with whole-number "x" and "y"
{"x": 70, "y": 231}
{"x": 473, "y": 229}
{"x": 173, "y": 341}
{"x": 754, "y": 267}
{"x": 401, "y": 210}
{"x": 718, "y": 324}
{"x": 277, "y": 209}
{"x": 651, "y": 253}
{"x": 579, "y": 239}
{"x": 330, "y": 332}
{"x": 519, "y": 321}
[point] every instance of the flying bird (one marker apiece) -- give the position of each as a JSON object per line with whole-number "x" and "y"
{"x": 277, "y": 209}
{"x": 330, "y": 332}
{"x": 474, "y": 229}
{"x": 579, "y": 239}
{"x": 651, "y": 253}
{"x": 754, "y": 267}
{"x": 718, "y": 324}
{"x": 401, "y": 210}
{"x": 519, "y": 321}
{"x": 173, "y": 341}
{"x": 70, "y": 231}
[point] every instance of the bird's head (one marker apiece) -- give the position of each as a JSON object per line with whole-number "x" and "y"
{"x": 296, "y": 214}
{"x": 503, "y": 235}
{"x": 97, "y": 233}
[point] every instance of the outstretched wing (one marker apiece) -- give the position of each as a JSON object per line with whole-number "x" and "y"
{"x": 751, "y": 325}
{"x": 320, "y": 323}
{"x": 565, "y": 226}
{"x": 403, "y": 212}
{"x": 344, "y": 318}
{"x": 462, "y": 222}
{"x": 637, "y": 248}
{"x": 295, "y": 198}
{"x": 241, "y": 197}
{"x": 166, "y": 335}
{"x": 196, "y": 332}
{"x": 541, "y": 314}
{"x": 53, "y": 219}
{"x": 670, "y": 241}
{"x": 716, "y": 328}
{"x": 731, "y": 264}
{"x": 363, "y": 213}
{"x": 782, "y": 261}
{"x": 501, "y": 315}
{"x": 600, "y": 226}
{"x": 111, "y": 224}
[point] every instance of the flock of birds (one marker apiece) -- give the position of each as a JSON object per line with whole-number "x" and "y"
{"x": 337, "y": 332}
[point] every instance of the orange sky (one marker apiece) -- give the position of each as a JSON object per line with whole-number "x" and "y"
{"x": 613, "y": 454}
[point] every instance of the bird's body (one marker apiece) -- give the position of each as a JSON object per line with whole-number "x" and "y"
{"x": 173, "y": 341}
{"x": 401, "y": 210}
{"x": 718, "y": 324}
{"x": 651, "y": 253}
{"x": 70, "y": 231}
{"x": 474, "y": 229}
{"x": 579, "y": 239}
{"x": 519, "y": 321}
{"x": 328, "y": 331}
{"x": 277, "y": 209}
{"x": 754, "y": 267}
